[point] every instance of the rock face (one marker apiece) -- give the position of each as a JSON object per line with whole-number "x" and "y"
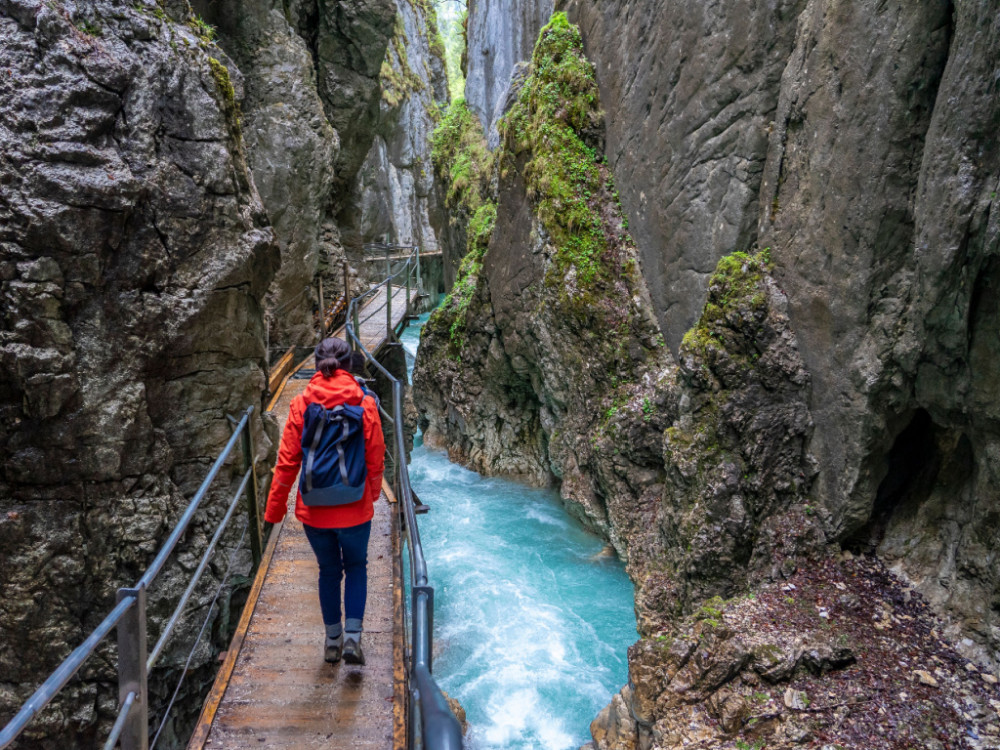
{"x": 310, "y": 101}
{"x": 395, "y": 194}
{"x": 690, "y": 93}
{"x": 500, "y": 33}
{"x": 136, "y": 254}
{"x": 811, "y": 187}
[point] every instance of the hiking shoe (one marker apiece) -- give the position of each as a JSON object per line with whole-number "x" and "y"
{"x": 333, "y": 649}
{"x": 352, "y": 651}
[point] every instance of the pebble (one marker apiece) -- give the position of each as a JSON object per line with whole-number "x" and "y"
{"x": 925, "y": 677}
{"x": 796, "y": 699}
{"x": 989, "y": 678}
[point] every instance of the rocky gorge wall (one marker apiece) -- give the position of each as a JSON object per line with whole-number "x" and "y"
{"x": 500, "y": 34}
{"x": 395, "y": 194}
{"x": 810, "y": 187}
{"x": 308, "y": 76}
{"x": 136, "y": 256}
{"x": 174, "y": 179}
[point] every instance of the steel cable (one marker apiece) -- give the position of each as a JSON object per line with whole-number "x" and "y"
{"x": 197, "y": 640}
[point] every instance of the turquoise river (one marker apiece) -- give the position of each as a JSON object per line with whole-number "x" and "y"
{"x": 531, "y": 623}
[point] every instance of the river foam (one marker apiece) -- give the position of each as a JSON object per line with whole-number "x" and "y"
{"x": 531, "y": 622}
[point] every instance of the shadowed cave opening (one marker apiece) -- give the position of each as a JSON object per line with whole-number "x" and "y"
{"x": 913, "y": 464}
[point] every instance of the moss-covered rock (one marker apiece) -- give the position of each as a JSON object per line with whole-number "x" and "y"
{"x": 465, "y": 169}
{"x": 556, "y": 125}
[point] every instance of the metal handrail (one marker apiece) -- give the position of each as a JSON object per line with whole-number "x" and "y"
{"x": 440, "y": 729}
{"x": 129, "y": 616}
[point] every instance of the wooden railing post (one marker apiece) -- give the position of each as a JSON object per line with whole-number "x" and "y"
{"x": 322, "y": 311}
{"x": 132, "y": 670}
{"x": 388, "y": 308}
{"x": 253, "y": 509}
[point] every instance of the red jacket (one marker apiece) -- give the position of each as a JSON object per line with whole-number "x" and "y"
{"x": 339, "y": 388}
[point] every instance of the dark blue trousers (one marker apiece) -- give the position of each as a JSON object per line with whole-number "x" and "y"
{"x": 342, "y": 552}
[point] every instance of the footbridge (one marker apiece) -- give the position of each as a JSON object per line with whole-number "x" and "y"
{"x": 273, "y": 688}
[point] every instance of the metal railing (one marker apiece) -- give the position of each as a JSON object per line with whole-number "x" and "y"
{"x": 432, "y": 725}
{"x": 135, "y": 661}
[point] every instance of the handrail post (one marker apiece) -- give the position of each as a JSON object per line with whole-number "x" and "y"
{"x": 253, "y": 509}
{"x": 420, "y": 280}
{"x": 322, "y": 311}
{"x": 388, "y": 309}
{"x": 406, "y": 309}
{"x": 132, "y": 670}
{"x": 347, "y": 281}
{"x": 356, "y": 341}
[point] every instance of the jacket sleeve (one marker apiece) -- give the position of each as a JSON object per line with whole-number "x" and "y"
{"x": 287, "y": 467}
{"x": 374, "y": 449}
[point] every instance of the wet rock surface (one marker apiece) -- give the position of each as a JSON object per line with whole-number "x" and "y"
{"x": 136, "y": 254}
{"x": 395, "y": 195}
{"x": 501, "y": 34}
{"x": 833, "y": 390}
{"x": 292, "y": 149}
{"x": 839, "y": 654}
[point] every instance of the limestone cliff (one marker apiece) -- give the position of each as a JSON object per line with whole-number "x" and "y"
{"x": 811, "y": 189}
{"x": 501, "y": 34}
{"x": 395, "y": 196}
{"x": 136, "y": 255}
{"x": 310, "y": 98}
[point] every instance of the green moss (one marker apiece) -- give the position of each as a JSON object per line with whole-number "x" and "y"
{"x": 736, "y": 292}
{"x": 456, "y": 305}
{"x": 231, "y": 107}
{"x": 556, "y": 107}
{"x": 464, "y": 163}
{"x": 711, "y": 610}
{"x": 397, "y": 77}
{"x": 461, "y": 158}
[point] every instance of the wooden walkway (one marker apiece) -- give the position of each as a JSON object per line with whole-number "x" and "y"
{"x": 371, "y": 317}
{"x": 281, "y": 694}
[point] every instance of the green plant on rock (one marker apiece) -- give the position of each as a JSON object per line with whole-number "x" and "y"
{"x": 456, "y": 305}
{"x": 231, "y": 107}
{"x": 735, "y": 291}
{"x": 556, "y": 109}
{"x": 204, "y": 30}
{"x": 461, "y": 158}
{"x": 90, "y": 28}
{"x": 397, "y": 78}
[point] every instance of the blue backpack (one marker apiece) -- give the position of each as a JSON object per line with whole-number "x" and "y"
{"x": 333, "y": 455}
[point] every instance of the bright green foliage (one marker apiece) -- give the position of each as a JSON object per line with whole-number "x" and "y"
{"x": 461, "y": 157}
{"x": 204, "y": 30}
{"x": 735, "y": 289}
{"x": 462, "y": 160}
{"x": 558, "y": 103}
{"x": 397, "y": 77}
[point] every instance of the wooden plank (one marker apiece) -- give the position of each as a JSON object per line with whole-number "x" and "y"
{"x": 280, "y": 371}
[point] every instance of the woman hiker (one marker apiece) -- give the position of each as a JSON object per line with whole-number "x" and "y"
{"x": 338, "y": 534}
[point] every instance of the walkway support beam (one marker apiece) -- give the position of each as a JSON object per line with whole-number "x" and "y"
{"x": 132, "y": 670}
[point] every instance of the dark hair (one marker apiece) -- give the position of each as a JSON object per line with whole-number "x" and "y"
{"x": 332, "y": 354}
{"x": 357, "y": 363}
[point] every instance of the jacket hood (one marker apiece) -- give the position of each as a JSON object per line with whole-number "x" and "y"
{"x": 339, "y": 388}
